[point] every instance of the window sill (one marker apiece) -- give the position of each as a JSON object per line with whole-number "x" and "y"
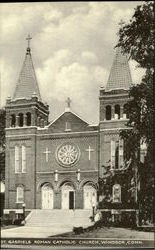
{"x": 20, "y": 172}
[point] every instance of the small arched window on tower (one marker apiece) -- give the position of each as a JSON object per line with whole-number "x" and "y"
{"x": 108, "y": 112}
{"x": 28, "y": 119}
{"x": 13, "y": 120}
{"x": 116, "y": 193}
{"x": 125, "y": 113}
{"x": 21, "y": 120}
{"x": 20, "y": 194}
{"x": 117, "y": 111}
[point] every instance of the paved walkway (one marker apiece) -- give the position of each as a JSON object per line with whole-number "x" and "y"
{"x": 32, "y": 232}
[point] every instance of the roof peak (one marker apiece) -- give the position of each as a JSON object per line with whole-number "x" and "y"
{"x": 27, "y": 83}
{"x": 120, "y": 76}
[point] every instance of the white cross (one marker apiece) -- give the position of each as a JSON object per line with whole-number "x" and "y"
{"x": 89, "y": 150}
{"x": 47, "y": 152}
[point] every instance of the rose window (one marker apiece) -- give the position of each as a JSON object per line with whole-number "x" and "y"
{"x": 68, "y": 154}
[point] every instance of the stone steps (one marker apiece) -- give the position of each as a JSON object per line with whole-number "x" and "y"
{"x": 58, "y": 218}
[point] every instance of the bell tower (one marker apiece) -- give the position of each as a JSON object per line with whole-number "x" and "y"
{"x": 26, "y": 107}
{"x": 26, "y": 114}
{"x": 113, "y": 117}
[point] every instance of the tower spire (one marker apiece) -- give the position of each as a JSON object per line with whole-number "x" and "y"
{"x": 120, "y": 76}
{"x": 27, "y": 83}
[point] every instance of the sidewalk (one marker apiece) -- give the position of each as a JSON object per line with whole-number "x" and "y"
{"x": 33, "y": 232}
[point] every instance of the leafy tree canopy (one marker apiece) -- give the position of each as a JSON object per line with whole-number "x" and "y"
{"x": 137, "y": 39}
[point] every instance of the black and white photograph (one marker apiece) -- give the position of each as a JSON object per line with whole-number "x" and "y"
{"x": 76, "y": 125}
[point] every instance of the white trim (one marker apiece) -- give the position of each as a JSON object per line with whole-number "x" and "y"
{"x": 115, "y": 89}
{"x": 114, "y": 120}
{"x": 70, "y": 171}
{"x": 14, "y": 128}
{"x": 20, "y": 210}
{"x": 93, "y": 125}
{"x": 108, "y": 129}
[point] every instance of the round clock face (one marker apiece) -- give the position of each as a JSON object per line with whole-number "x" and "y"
{"x": 68, "y": 154}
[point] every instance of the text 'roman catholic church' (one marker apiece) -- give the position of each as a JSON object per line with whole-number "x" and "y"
{"x": 57, "y": 165}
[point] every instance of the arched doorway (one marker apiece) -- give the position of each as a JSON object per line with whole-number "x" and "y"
{"x": 90, "y": 196}
{"x": 67, "y": 196}
{"x": 47, "y": 196}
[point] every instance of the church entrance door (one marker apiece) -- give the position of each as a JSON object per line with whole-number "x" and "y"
{"x": 47, "y": 197}
{"x": 90, "y": 196}
{"x": 68, "y": 197}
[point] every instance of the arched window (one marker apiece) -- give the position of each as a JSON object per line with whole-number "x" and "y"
{"x": 116, "y": 193}
{"x": 13, "y": 120}
{"x": 20, "y": 194}
{"x": 125, "y": 111}
{"x": 108, "y": 112}
{"x": 28, "y": 119}
{"x": 23, "y": 159}
{"x": 21, "y": 120}
{"x": 117, "y": 111}
{"x": 17, "y": 166}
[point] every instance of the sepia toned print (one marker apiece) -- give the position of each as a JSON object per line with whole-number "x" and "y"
{"x": 76, "y": 125}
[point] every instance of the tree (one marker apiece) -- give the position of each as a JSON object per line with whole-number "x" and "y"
{"x": 136, "y": 38}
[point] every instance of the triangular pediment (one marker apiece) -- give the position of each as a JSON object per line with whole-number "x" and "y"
{"x": 69, "y": 122}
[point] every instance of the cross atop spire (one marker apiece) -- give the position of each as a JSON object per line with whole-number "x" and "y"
{"x": 68, "y": 101}
{"x": 28, "y": 38}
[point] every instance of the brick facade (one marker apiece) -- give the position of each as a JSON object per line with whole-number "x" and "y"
{"x": 67, "y": 153}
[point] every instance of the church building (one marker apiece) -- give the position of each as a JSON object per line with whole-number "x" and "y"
{"x": 57, "y": 165}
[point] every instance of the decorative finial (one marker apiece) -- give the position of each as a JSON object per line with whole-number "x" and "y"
{"x": 28, "y": 43}
{"x": 68, "y": 101}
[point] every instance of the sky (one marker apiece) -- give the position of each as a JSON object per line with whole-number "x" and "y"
{"x": 72, "y": 49}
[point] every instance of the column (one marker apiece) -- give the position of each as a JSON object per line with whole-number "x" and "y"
{"x": 112, "y": 112}
{"x": 38, "y": 121}
{"x": 57, "y": 199}
{"x": 79, "y": 199}
{"x": 17, "y": 120}
{"x": 25, "y": 120}
{"x": 121, "y": 112}
{"x": 32, "y": 120}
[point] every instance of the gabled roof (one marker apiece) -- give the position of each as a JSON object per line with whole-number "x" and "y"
{"x": 74, "y": 123}
{"x": 120, "y": 76}
{"x": 27, "y": 84}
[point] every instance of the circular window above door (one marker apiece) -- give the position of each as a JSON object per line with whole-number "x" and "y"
{"x": 67, "y": 154}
